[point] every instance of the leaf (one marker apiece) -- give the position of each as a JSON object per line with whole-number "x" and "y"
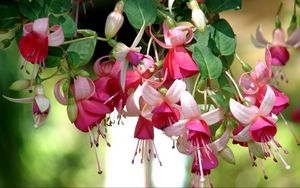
{"x": 227, "y": 60}
{"x": 31, "y": 9}
{"x": 140, "y": 11}
{"x": 221, "y": 101}
{"x": 298, "y": 3}
{"x": 66, "y": 22}
{"x": 85, "y": 49}
{"x": 9, "y": 16}
{"x": 224, "y": 37}
{"x": 225, "y": 86}
{"x": 216, "y": 6}
{"x": 54, "y": 57}
{"x": 60, "y": 6}
{"x": 210, "y": 66}
{"x": 73, "y": 59}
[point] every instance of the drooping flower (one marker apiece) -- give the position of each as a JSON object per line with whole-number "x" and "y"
{"x": 178, "y": 61}
{"x": 278, "y": 47}
{"x": 163, "y": 107}
{"x": 40, "y": 105}
{"x": 259, "y": 124}
{"x": 196, "y": 126}
{"x": 144, "y": 129}
{"x": 37, "y": 36}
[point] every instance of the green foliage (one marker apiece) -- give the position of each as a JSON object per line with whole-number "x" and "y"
{"x": 140, "y": 11}
{"x": 216, "y": 6}
{"x": 9, "y": 16}
{"x": 210, "y": 66}
{"x": 54, "y": 57}
{"x": 32, "y": 9}
{"x": 225, "y": 86}
{"x": 85, "y": 49}
{"x": 73, "y": 59}
{"x": 60, "y": 6}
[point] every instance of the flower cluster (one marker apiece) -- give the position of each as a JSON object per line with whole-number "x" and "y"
{"x": 182, "y": 86}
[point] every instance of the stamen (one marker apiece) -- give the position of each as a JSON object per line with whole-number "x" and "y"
{"x": 103, "y": 135}
{"x": 263, "y": 169}
{"x": 287, "y": 166}
{"x": 135, "y": 153}
{"x": 142, "y": 159}
{"x": 202, "y": 179}
{"x": 95, "y": 150}
{"x": 290, "y": 129}
{"x": 155, "y": 153}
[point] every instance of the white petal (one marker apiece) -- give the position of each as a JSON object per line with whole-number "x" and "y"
{"x": 294, "y": 39}
{"x": 189, "y": 106}
{"x": 268, "y": 102}
{"x": 132, "y": 103}
{"x": 170, "y": 5}
{"x": 41, "y": 26}
{"x": 139, "y": 36}
{"x": 242, "y": 113}
{"x": 56, "y": 38}
{"x": 147, "y": 112}
{"x": 221, "y": 142}
{"x": 243, "y": 136}
{"x": 213, "y": 116}
{"x": 259, "y": 36}
{"x": 42, "y": 102}
{"x": 151, "y": 96}
{"x": 20, "y": 100}
{"x": 174, "y": 92}
{"x": 176, "y": 129}
{"x": 123, "y": 74}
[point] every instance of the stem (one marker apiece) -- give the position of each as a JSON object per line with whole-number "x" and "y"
{"x": 279, "y": 9}
{"x": 102, "y": 39}
{"x": 235, "y": 85}
{"x": 294, "y": 7}
{"x": 239, "y": 59}
{"x": 78, "y": 40}
{"x": 195, "y": 85}
{"x": 51, "y": 76}
{"x": 155, "y": 51}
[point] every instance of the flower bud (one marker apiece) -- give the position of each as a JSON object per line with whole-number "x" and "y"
{"x": 198, "y": 17}
{"x": 83, "y": 73}
{"x": 20, "y": 85}
{"x": 114, "y": 20}
{"x": 256, "y": 149}
{"x": 72, "y": 108}
{"x": 39, "y": 90}
{"x": 227, "y": 155}
{"x": 246, "y": 67}
{"x": 293, "y": 25}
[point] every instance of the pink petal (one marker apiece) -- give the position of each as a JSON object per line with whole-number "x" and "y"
{"x": 62, "y": 99}
{"x": 268, "y": 102}
{"x": 198, "y": 128}
{"x": 166, "y": 46}
{"x": 221, "y": 142}
{"x": 261, "y": 73}
{"x": 247, "y": 84}
{"x": 42, "y": 102}
{"x": 147, "y": 112}
{"x": 183, "y": 145}
{"x": 268, "y": 57}
{"x": 95, "y": 107}
{"x": 133, "y": 103}
{"x": 144, "y": 129}
{"x": 278, "y": 37}
{"x": 189, "y": 106}
{"x": 151, "y": 96}
{"x": 103, "y": 68}
{"x": 280, "y": 55}
{"x": 259, "y": 36}
{"x": 209, "y": 160}
{"x": 176, "y": 129}
{"x": 242, "y": 113}
{"x": 243, "y": 136}
{"x": 175, "y": 91}
{"x": 84, "y": 88}
{"x": 262, "y": 130}
{"x": 294, "y": 39}
{"x": 56, "y": 37}
{"x": 41, "y": 26}
{"x": 157, "y": 84}
{"x": 27, "y": 28}
{"x": 213, "y": 116}
{"x": 281, "y": 101}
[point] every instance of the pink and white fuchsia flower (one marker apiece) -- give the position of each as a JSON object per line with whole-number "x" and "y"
{"x": 144, "y": 130}
{"x": 162, "y": 107}
{"x": 259, "y": 124}
{"x": 196, "y": 128}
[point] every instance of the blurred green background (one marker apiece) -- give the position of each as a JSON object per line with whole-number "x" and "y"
{"x": 57, "y": 154}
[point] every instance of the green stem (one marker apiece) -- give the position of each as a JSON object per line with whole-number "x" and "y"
{"x": 235, "y": 85}
{"x": 294, "y": 7}
{"x": 78, "y": 40}
{"x": 51, "y": 76}
{"x": 195, "y": 85}
{"x": 102, "y": 39}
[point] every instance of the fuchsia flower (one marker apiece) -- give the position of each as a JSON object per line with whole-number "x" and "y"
{"x": 37, "y": 36}
{"x": 254, "y": 86}
{"x": 196, "y": 126}
{"x": 163, "y": 107}
{"x": 278, "y": 47}
{"x": 144, "y": 130}
{"x": 178, "y": 61}
{"x": 40, "y": 105}
{"x": 259, "y": 125}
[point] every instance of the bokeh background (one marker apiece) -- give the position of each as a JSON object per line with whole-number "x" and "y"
{"x": 57, "y": 154}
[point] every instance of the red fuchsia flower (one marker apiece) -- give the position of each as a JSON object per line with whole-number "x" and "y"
{"x": 254, "y": 86}
{"x": 162, "y": 107}
{"x": 37, "y": 36}
{"x": 90, "y": 109}
{"x": 259, "y": 124}
{"x": 144, "y": 130}
{"x": 40, "y": 105}
{"x": 278, "y": 47}
{"x": 235, "y": 132}
{"x": 196, "y": 126}
{"x": 178, "y": 61}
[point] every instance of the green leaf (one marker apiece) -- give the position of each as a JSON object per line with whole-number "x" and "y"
{"x": 210, "y": 66}
{"x": 73, "y": 59}
{"x": 227, "y": 60}
{"x": 224, "y": 37}
{"x": 60, "y": 6}
{"x": 221, "y": 101}
{"x": 31, "y": 9}
{"x": 66, "y": 22}
{"x": 9, "y": 16}
{"x": 84, "y": 48}
{"x": 298, "y": 3}
{"x": 54, "y": 57}
{"x": 216, "y": 6}
{"x": 225, "y": 86}
{"x": 140, "y": 11}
